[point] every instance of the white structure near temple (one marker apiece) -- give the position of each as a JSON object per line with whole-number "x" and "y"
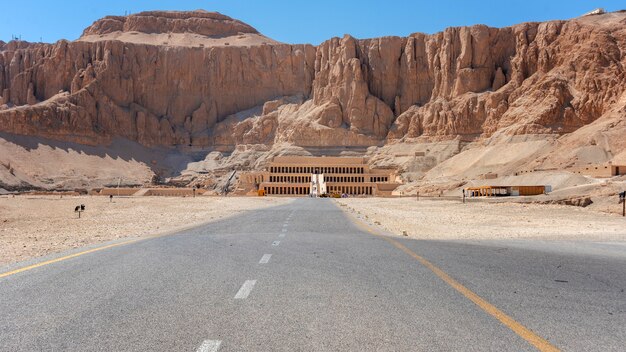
{"x": 318, "y": 185}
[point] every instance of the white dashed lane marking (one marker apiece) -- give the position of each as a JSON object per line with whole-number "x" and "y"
{"x": 275, "y": 243}
{"x": 245, "y": 289}
{"x": 265, "y": 259}
{"x": 284, "y": 230}
{"x": 209, "y": 346}
{"x": 282, "y": 235}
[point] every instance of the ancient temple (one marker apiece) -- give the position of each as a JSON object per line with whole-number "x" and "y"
{"x": 304, "y": 176}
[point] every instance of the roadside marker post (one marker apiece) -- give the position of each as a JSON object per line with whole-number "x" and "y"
{"x": 622, "y": 199}
{"x": 79, "y": 209}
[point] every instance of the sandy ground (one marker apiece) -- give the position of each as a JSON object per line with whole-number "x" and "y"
{"x": 452, "y": 220}
{"x": 34, "y": 226}
{"x": 49, "y": 164}
{"x": 182, "y": 39}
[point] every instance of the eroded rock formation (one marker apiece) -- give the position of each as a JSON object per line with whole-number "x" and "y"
{"x": 473, "y": 82}
{"x": 199, "y": 22}
{"x": 157, "y": 96}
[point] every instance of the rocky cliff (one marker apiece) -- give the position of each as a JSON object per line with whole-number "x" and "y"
{"x": 199, "y": 22}
{"x": 474, "y": 82}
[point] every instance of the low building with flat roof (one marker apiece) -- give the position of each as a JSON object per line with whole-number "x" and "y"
{"x": 504, "y": 191}
{"x": 600, "y": 170}
{"x": 296, "y": 175}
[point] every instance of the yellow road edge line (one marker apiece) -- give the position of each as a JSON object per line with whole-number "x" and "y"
{"x": 52, "y": 261}
{"x": 56, "y": 260}
{"x": 537, "y": 341}
{"x": 525, "y": 333}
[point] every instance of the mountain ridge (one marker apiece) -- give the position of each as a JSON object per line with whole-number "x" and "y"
{"x": 475, "y": 84}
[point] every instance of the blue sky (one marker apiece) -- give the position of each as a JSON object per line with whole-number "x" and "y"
{"x": 294, "y": 21}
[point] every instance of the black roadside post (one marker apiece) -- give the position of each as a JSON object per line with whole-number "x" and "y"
{"x": 194, "y": 191}
{"x": 622, "y": 199}
{"x": 463, "y": 195}
{"x": 110, "y": 198}
{"x": 79, "y": 209}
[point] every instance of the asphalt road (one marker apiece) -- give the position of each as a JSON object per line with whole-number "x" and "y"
{"x": 305, "y": 277}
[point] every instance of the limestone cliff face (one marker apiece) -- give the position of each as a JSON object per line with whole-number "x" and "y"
{"x": 152, "y": 94}
{"x": 341, "y": 85}
{"x": 198, "y": 22}
{"x": 552, "y": 77}
{"x": 473, "y": 82}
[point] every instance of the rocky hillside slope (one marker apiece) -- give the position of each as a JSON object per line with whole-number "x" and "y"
{"x": 207, "y": 81}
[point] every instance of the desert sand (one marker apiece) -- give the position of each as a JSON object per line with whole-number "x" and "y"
{"x": 32, "y": 226}
{"x": 453, "y": 220}
{"x": 183, "y": 39}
